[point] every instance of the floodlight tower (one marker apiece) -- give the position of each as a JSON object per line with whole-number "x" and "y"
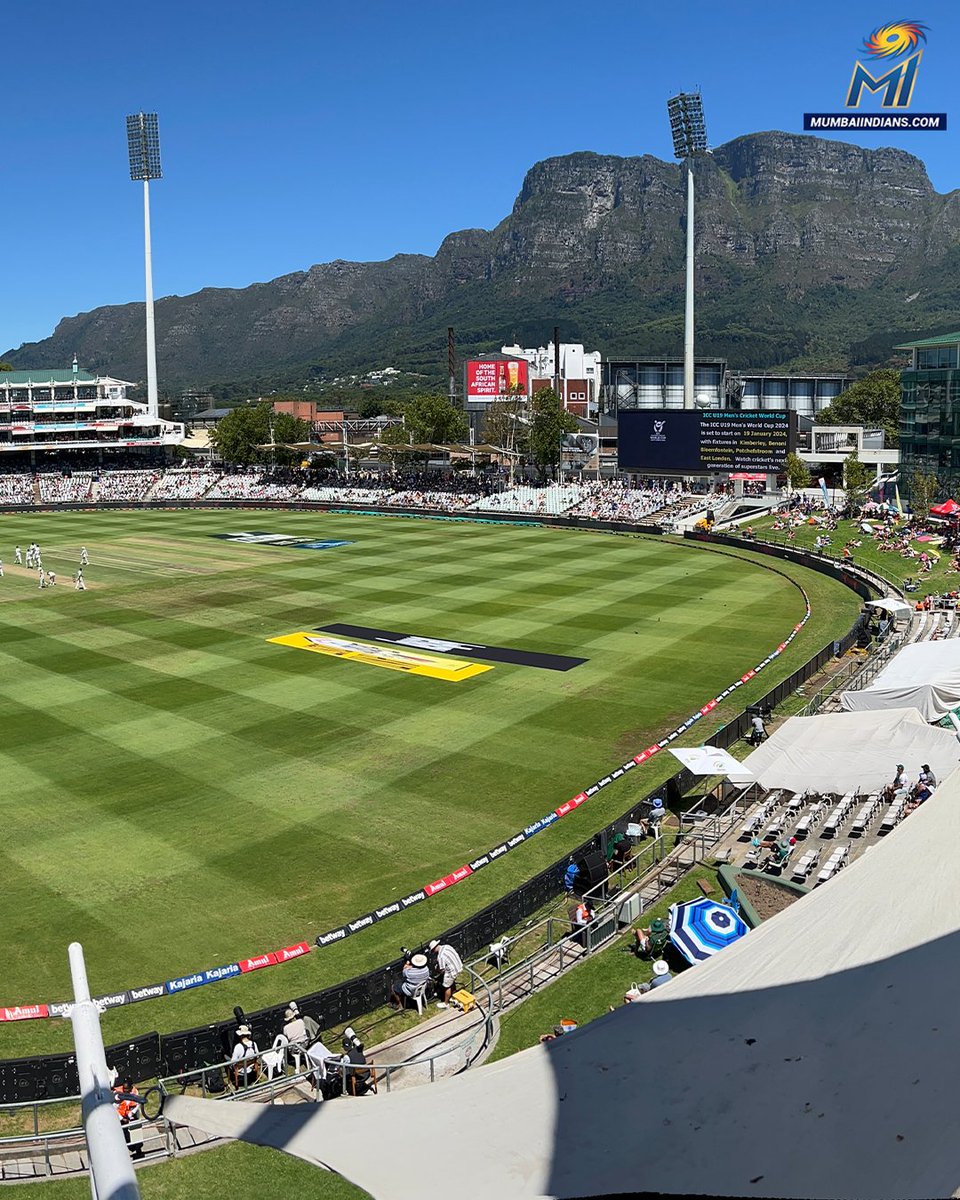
{"x": 689, "y": 138}
{"x": 143, "y": 143}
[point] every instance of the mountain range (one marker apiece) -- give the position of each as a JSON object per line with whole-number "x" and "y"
{"x": 810, "y": 253}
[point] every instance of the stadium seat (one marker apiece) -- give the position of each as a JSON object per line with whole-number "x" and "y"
{"x": 419, "y": 996}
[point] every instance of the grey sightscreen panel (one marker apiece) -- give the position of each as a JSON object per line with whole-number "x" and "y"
{"x": 143, "y": 145}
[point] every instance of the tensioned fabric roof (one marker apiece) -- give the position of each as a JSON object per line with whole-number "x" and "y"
{"x": 851, "y": 751}
{"x": 816, "y": 1057}
{"x": 44, "y": 376}
{"x": 925, "y": 676}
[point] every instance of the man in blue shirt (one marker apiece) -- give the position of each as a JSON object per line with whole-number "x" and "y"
{"x": 415, "y": 973}
{"x": 661, "y": 975}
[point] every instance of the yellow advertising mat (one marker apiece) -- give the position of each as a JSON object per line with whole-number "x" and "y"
{"x": 392, "y": 657}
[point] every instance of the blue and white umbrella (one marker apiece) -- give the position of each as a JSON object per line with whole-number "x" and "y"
{"x": 699, "y": 928}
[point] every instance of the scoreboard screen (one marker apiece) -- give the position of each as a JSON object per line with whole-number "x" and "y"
{"x": 700, "y": 440}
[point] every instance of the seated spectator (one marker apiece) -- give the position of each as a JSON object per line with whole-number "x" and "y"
{"x": 565, "y": 1026}
{"x": 655, "y": 816}
{"x": 653, "y": 939}
{"x": 661, "y": 975}
{"x": 244, "y": 1061}
{"x": 415, "y": 972}
{"x": 927, "y": 776}
{"x": 449, "y": 964}
{"x": 359, "y": 1079}
{"x": 899, "y": 783}
{"x": 294, "y": 1029}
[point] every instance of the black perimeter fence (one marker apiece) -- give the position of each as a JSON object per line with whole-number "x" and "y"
{"x": 152, "y": 1055}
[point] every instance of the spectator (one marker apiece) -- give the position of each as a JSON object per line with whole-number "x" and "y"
{"x": 294, "y": 1029}
{"x": 358, "y": 1076}
{"x": 449, "y": 965}
{"x": 127, "y": 1099}
{"x": 653, "y": 939}
{"x": 655, "y": 816}
{"x": 570, "y": 877}
{"x": 415, "y": 973}
{"x": 661, "y": 975}
{"x": 927, "y": 776}
{"x": 899, "y": 783}
{"x": 244, "y": 1061}
{"x": 758, "y": 730}
{"x": 581, "y": 917}
{"x": 311, "y": 1025}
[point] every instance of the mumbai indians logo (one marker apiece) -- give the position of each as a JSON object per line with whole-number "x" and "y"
{"x": 902, "y": 38}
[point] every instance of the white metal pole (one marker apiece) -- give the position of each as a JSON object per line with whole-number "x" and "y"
{"x": 346, "y": 450}
{"x": 688, "y": 399}
{"x": 112, "y": 1176}
{"x": 152, "y": 402}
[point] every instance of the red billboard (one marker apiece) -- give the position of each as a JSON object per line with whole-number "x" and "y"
{"x": 496, "y": 379}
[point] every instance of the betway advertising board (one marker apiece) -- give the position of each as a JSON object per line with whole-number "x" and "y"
{"x": 700, "y": 440}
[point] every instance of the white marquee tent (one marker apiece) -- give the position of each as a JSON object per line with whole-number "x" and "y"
{"x": 854, "y": 751}
{"x": 925, "y": 676}
{"x": 815, "y": 1058}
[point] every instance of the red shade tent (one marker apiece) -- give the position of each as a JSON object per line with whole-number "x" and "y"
{"x": 949, "y": 508}
{"x": 750, "y": 475}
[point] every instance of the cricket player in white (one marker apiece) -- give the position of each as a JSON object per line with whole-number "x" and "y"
{"x": 78, "y": 583}
{"x": 84, "y": 557}
{"x": 18, "y": 556}
{"x": 43, "y": 579}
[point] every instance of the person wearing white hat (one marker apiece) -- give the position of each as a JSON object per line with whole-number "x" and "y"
{"x": 415, "y": 973}
{"x": 449, "y": 965}
{"x": 294, "y": 1029}
{"x": 661, "y": 975}
{"x": 244, "y": 1060}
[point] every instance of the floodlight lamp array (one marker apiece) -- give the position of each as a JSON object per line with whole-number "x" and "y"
{"x": 143, "y": 144}
{"x": 687, "y": 124}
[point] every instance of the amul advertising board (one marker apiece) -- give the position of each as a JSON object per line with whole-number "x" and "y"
{"x": 496, "y": 379}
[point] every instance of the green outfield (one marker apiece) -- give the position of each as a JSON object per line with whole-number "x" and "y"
{"x": 179, "y": 792}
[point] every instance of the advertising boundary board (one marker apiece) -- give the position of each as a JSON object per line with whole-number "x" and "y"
{"x": 372, "y": 989}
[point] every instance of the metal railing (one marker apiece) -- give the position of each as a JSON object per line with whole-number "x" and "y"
{"x": 432, "y": 1064}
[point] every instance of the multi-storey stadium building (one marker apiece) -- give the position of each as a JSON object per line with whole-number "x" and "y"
{"x": 64, "y": 411}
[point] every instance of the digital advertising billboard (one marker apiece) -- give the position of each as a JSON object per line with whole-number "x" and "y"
{"x": 496, "y": 379}
{"x": 695, "y": 440}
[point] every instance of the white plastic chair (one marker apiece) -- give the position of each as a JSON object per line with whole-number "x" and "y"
{"x": 419, "y": 996}
{"x": 275, "y": 1060}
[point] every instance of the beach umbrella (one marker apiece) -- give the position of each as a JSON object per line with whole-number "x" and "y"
{"x": 699, "y": 928}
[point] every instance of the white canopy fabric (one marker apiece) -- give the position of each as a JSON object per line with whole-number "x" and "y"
{"x": 896, "y": 608}
{"x": 708, "y": 760}
{"x": 813, "y": 1058}
{"x": 925, "y": 676}
{"x": 841, "y": 752}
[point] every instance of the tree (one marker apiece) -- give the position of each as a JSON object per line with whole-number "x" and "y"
{"x": 5, "y": 366}
{"x": 434, "y": 419}
{"x": 240, "y": 433}
{"x": 798, "y": 473}
{"x": 550, "y": 422}
{"x": 394, "y": 445}
{"x": 873, "y": 401}
{"x": 923, "y": 491}
{"x": 856, "y": 480}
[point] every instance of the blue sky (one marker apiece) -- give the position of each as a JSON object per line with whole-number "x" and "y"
{"x": 294, "y": 133}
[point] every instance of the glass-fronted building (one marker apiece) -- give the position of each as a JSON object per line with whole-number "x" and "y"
{"x": 930, "y": 412}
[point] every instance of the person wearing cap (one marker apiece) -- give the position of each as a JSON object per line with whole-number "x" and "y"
{"x": 415, "y": 973}
{"x": 653, "y": 939}
{"x": 655, "y": 815}
{"x": 358, "y": 1078}
{"x": 899, "y": 782}
{"x": 244, "y": 1064}
{"x": 927, "y": 776}
{"x": 449, "y": 964}
{"x": 311, "y": 1025}
{"x": 661, "y": 975}
{"x": 294, "y": 1029}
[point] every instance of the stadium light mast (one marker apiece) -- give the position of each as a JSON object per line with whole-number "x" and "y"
{"x": 689, "y": 138}
{"x": 143, "y": 144}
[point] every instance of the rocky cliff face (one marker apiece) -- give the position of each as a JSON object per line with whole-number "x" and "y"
{"x": 804, "y": 246}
